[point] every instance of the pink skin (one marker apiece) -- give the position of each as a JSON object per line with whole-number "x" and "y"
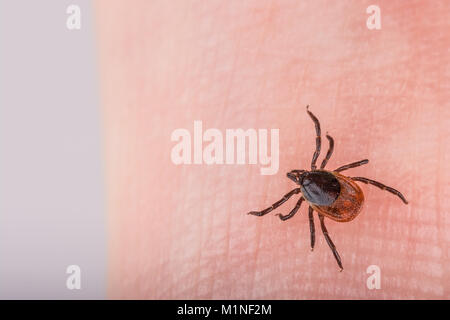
{"x": 182, "y": 231}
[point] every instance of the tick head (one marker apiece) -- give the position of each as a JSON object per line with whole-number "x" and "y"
{"x": 320, "y": 187}
{"x": 297, "y": 176}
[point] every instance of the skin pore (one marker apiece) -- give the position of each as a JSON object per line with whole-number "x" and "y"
{"x": 182, "y": 232}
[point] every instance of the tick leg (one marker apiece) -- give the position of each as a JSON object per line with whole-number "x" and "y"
{"x": 330, "y": 243}
{"x": 381, "y": 186}
{"x": 312, "y": 229}
{"x": 329, "y": 153}
{"x": 276, "y": 204}
{"x": 293, "y": 211}
{"x": 318, "y": 139}
{"x": 352, "y": 165}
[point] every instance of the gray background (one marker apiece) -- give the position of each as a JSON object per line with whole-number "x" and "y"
{"x": 52, "y": 211}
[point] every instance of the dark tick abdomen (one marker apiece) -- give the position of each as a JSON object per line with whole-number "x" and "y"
{"x": 320, "y": 188}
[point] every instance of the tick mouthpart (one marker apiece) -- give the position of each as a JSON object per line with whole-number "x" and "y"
{"x": 296, "y": 175}
{"x": 292, "y": 177}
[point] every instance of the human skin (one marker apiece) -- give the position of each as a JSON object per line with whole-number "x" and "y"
{"x": 182, "y": 232}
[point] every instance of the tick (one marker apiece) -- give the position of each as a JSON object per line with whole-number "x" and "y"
{"x": 329, "y": 193}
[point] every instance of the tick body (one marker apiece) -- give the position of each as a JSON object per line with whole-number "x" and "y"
{"x": 329, "y": 193}
{"x": 332, "y": 194}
